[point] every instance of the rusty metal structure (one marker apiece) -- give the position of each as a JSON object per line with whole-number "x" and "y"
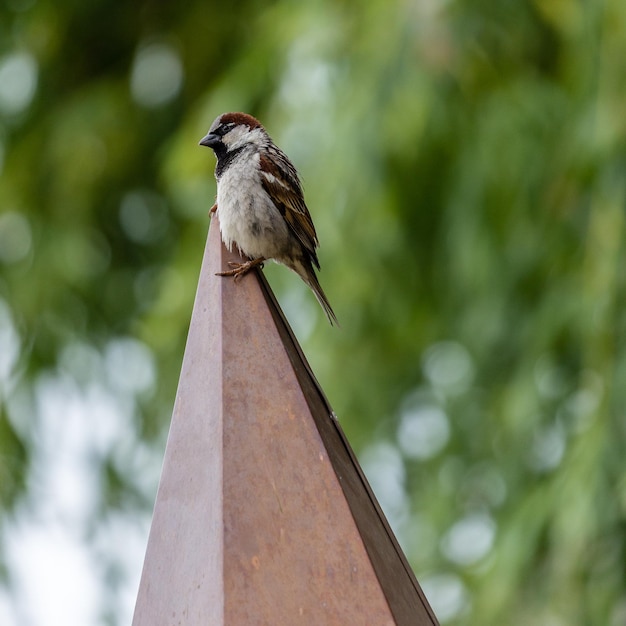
{"x": 263, "y": 514}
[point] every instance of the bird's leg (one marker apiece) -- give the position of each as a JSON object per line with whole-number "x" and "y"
{"x": 240, "y": 269}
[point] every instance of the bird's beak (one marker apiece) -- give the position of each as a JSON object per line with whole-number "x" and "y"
{"x": 210, "y": 141}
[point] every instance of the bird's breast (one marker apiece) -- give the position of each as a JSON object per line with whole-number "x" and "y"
{"x": 248, "y": 217}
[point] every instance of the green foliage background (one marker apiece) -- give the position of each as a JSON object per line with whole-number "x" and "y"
{"x": 464, "y": 163}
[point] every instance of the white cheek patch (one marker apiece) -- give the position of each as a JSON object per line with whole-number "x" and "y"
{"x": 242, "y": 135}
{"x": 235, "y": 136}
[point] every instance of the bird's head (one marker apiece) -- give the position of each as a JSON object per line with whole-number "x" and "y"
{"x": 231, "y": 131}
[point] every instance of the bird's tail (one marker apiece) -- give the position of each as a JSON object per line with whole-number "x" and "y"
{"x": 307, "y": 273}
{"x": 304, "y": 268}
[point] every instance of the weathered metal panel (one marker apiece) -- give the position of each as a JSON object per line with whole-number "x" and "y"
{"x": 182, "y": 579}
{"x": 263, "y": 515}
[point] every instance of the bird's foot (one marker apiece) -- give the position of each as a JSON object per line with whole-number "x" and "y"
{"x": 241, "y": 269}
{"x": 213, "y": 209}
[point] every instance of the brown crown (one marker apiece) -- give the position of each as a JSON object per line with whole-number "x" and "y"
{"x": 241, "y": 118}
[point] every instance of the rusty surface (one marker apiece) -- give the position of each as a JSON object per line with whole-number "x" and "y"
{"x": 263, "y": 515}
{"x": 404, "y": 595}
{"x": 182, "y": 578}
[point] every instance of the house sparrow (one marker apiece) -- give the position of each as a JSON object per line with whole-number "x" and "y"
{"x": 260, "y": 202}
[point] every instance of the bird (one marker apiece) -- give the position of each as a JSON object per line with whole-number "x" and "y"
{"x": 260, "y": 202}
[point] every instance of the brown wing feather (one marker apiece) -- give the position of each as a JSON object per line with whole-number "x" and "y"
{"x": 280, "y": 180}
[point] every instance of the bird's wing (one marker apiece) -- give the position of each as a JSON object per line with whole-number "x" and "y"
{"x": 280, "y": 180}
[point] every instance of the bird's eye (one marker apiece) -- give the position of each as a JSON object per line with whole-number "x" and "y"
{"x": 226, "y": 128}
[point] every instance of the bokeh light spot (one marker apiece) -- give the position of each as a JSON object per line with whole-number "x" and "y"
{"x": 384, "y": 467}
{"x": 548, "y": 448}
{"x": 15, "y": 237}
{"x": 18, "y": 82}
{"x": 143, "y": 216}
{"x": 130, "y": 365}
{"x": 470, "y": 539}
{"x": 447, "y": 595}
{"x": 423, "y": 431}
{"x": 10, "y": 342}
{"x": 156, "y": 75}
{"x": 448, "y": 366}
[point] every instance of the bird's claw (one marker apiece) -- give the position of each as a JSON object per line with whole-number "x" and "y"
{"x": 213, "y": 209}
{"x": 241, "y": 269}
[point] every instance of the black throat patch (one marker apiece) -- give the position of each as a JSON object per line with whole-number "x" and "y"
{"x": 224, "y": 159}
